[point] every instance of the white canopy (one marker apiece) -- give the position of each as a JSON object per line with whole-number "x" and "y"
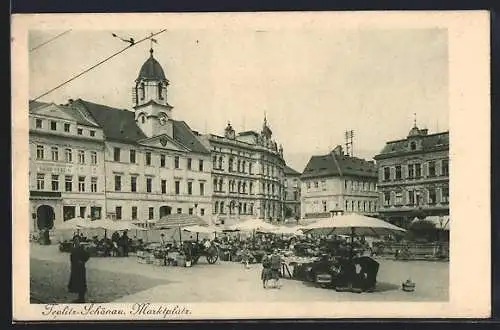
{"x": 200, "y": 229}
{"x": 288, "y": 230}
{"x": 254, "y": 225}
{"x": 354, "y": 224}
{"x": 75, "y": 223}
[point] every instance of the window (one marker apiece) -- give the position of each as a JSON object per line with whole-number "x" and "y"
{"x": 215, "y": 185}
{"x": 118, "y": 211}
{"x": 82, "y": 211}
{"x": 93, "y": 157}
{"x": 189, "y": 163}
{"x": 202, "y": 188}
{"x": 95, "y": 212}
{"x": 200, "y": 165}
{"x": 162, "y": 160}
{"x": 411, "y": 197}
{"x": 398, "y": 172}
{"x": 398, "y": 198}
{"x": 148, "y": 158}
{"x": 221, "y": 207}
{"x": 308, "y": 184}
{"x": 116, "y": 154}
{"x": 39, "y": 152}
{"x": 55, "y": 182}
{"x": 249, "y": 168}
{"x": 387, "y": 198}
{"x": 143, "y": 118}
{"x": 118, "y": 183}
{"x": 411, "y": 171}
{"x": 432, "y": 169}
{"x": 445, "y": 194}
{"x": 151, "y": 213}
{"x": 251, "y": 188}
{"x": 55, "y": 153}
{"x": 220, "y": 163}
{"x": 163, "y": 186}
{"x": 179, "y": 210}
{"x": 413, "y": 146}
{"x": 68, "y": 155}
{"x": 133, "y": 183}
{"x": 38, "y": 123}
{"x": 316, "y": 184}
{"x": 220, "y": 184}
{"x": 239, "y": 165}
{"x": 214, "y": 161}
{"x": 134, "y": 212}
{"x": 80, "y": 131}
{"x": 230, "y": 168}
{"x": 160, "y": 91}
{"x": 68, "y": 183}
{"x": 190, "y": 211}
{"x": 432, "y": 196}
{"x": 444, "y": 167}
{"x": 81, "y": 184}
{"x": 324, "y": 205}
{"x": 53, "y": 125}
{"x": 190, "y": 188}
{"x": 66, "y": 127}
{"x": 418, "y": 171}
{"x": 93, "y": 184}
{"x": 92, "y": 133}
{"x": 149, "y": 184}
{"x": 177, "y": 187}
{"x": 81, "y": 157}
{"x": 40, "y": 181}
{"x": 295, "y": 196}
{"x": 176, "y": 162}
{"x": 216, "y": 207}
{"x": 387, "y": 173}
{"x": 202, "y": 211}
{"x": 132, "y": 156}
{"x": 68, "y": 212}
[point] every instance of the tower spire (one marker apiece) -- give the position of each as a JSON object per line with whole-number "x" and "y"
{"x": 152, "y": 40}
{"x": 415, "y": 119}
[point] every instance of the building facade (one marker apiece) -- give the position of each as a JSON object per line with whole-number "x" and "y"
{"x": 247, "y": 175}
{"x": 337, "y": 183}
{"x": 127, "y": 165}
{"x": 413, "y": 177}
{"x": 292, "y": 193}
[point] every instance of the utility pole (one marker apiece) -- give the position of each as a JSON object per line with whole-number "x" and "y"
{"x": 349, "y": 137}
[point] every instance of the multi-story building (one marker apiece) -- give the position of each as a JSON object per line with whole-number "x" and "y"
{"x": 338, "y": 183}
{"x": 413, "y": 178}
{"x": 131, "y": 165}
{"x": 247, "y": 175}
{"x": 66, "y": 165}
{"x": 292, "y": 193}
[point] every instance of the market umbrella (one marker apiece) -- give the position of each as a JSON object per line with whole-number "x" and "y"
{"x": 179, "y": 221}
{"x": 254, "y": 225}
{"x": 295, "y": 230}
{"x": 354, "y": 224}
{"x": 75, "y": 223}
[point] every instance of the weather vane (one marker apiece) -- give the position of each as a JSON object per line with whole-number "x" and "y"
{"x": 131, "y": 41}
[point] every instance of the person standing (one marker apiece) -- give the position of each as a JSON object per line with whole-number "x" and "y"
{"x": 265, "y": 275}
{"x": 275, "y": 261}
{"x": 124, "y": 240}
{"x": 78, "y": 277}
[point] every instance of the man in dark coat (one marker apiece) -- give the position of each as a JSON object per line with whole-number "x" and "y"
{"x": 78, "y": 278}
{"x": 124, "y": 243}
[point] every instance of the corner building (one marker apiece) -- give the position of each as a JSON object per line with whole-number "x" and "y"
{"x": 413, "y": 178}
{"x": 247, "y": 175}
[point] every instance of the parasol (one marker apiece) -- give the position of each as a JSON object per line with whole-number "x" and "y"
{"x": 75, "y": 223}
{"x": 254, "y": 225}
{"x": 179, "y": 221}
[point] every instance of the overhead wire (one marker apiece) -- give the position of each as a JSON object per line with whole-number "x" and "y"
{"x": 97, "y": 64}
{"x": 49, "y": 41}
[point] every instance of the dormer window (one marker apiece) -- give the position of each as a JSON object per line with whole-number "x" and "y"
{"x": 413, "y": 146}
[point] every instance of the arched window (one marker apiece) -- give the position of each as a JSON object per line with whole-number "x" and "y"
{"x": 220, "y": 162}
{"x": 160, "y": 91}
{"x": 220, "y": 184}
{"x": 143, "y": 91}
{"x": 143, "y": 119}
{"x": 215, "y": 184}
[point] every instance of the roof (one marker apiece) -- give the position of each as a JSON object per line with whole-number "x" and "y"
{"x": 120, "y": 125}
{"x": 76, "y": 114}
{"x": 151, "y": 70}
{"x": 429, "y": 143}
{"x": 333, "y": 164}
{"x": 249, "y": 133}
{"x": 290, "y": 171}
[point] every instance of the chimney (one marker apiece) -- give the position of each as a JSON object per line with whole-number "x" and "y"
{"x": 70, "y": 101}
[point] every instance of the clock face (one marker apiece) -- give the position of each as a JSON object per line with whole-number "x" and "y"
{"x": 163, "y": 118}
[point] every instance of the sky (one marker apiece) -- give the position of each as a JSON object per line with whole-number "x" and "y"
{"x": 312, "y": 85}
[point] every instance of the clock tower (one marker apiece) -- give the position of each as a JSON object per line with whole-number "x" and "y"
{"x": 153, "y": 114}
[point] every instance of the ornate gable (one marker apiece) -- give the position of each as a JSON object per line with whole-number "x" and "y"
{"x": 164, "y": 142}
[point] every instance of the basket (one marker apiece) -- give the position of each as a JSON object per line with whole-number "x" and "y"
{"x": 408, "y": 286}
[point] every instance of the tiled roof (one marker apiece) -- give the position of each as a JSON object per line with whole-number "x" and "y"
{"x": 429, "y": 142}
{"x": 77, "y": 115}
{"x": 120, "y": 125}
{"x": 290, "y": 171}
{"x": 338, "y": 165}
